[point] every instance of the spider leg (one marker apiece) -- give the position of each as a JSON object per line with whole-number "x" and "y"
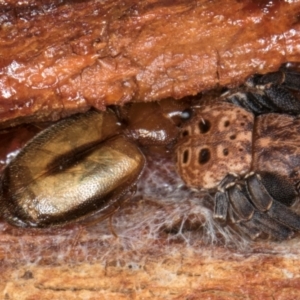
{"x": 275, "y": 207}
{"x": 292, "y": 80}
{"x": 283, "y": 99}
{"x": 221, "y": 200}
{"x": 250, "y": 229}
{"x": 271, "y": 227}
{"x": 256, "y": 103}
{"x": 221, "y": 206}
{"x": 259, "y": 204}
{"x": 280, "y": 188}
{"x": 245, "y": 214}
{"x": 258, "y": 193}
{"x": 284, "y": 215}
{"x": 272, "y": 92}
{"x": 240, "y": 203}
{"x": 286, "y": 78}
{"x": 232, "y": 201}
{"x": 262, "y": 223}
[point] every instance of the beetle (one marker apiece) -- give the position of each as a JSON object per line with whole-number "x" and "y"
{"x": 88, "y": 163}
{"x": 74, "y": 169}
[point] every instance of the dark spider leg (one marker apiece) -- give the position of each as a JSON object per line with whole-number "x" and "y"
{"x": 261, "y": 223}
{"x": 266, "y": 103}
{"x": 280, "y": 188}
{"x": 233, "y": 217}
{"x": 257, "y": 103}
{"x": 271, "y": 227}
{"x": 274, "y": 98}
{"x": 276, "y": 86}
{"x": 286, "y": 78}
{"x": 221, "y": 198}
{"x": 292, "y": 80}
{"x": 283, "y": 99}
{"x": 240, "y": 203}
{"x": 221, "y": 206}
{"x": 239, "y": 210}
{"x": 266, "y": 79}
{"x": 229, "y": 179}
{"x": 258, "y": 193}
{"x": 245, "y": 215}
{"x": 250, "y": 229}
{"x": 247, "y": 101}
{"x": 272, "y": 92}
{"x": 238, "y": 99}
{"x": 284, "y": 215}
{"x": 265, "y": 202}
{"x": 254, "y": 210}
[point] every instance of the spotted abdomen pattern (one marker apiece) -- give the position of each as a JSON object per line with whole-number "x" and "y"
{"x": 215, "y": 141}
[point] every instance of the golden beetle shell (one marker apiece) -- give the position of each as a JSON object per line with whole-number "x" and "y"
{"x": 70, "y": 171}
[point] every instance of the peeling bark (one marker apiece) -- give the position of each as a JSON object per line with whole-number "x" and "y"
{"x": 61, "y": 57}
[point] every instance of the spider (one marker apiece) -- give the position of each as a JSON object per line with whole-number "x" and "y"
{"x": 244, "y": 147}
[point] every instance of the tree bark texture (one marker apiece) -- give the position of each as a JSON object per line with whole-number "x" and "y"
{"x": 61, "y": 57}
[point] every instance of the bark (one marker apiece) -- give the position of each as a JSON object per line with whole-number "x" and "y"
{"x": 61, "y": 57}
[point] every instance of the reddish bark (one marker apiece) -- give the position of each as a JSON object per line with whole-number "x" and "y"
{"x": 61, "y": 57}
